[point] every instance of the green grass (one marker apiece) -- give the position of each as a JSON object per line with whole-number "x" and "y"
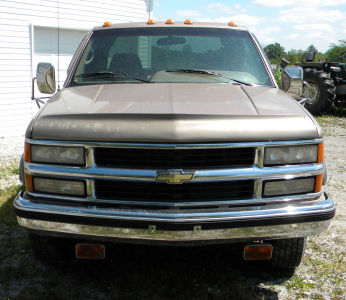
{"x": 7, "y": 218}
{"x": 13, "y": 169}
{"x": 331, "y": 121}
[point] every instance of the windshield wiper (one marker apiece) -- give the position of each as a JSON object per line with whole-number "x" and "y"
{"x": 194, "y": 71}
{"x": 205, "y": 72}
{"x": 238, "y": 81}
{"x": 107, "y": 74}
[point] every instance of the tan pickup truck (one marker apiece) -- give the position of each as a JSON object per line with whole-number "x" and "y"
{"x": 172, "y": 133}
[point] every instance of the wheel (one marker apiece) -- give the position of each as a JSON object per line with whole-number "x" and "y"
{"x": 51, "y": 250}
{"x": 287, "y": 254}
{"x": 21, "y": 170}
{"x": 321, "y": 91}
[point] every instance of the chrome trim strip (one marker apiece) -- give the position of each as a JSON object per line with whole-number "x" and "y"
{"x": 265, "y": 61}
{"x": 172, "y": 216}
{"x": 251, "y": 201}
{"x": 254, "y": 172}
{"x": 172, "y": 146}
{"x": 244, "y": 233}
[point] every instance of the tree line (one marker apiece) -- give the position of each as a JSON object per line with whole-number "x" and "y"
{"x": 336, "y": 52}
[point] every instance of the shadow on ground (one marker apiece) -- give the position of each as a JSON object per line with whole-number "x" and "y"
{"x": 130, "y": 272}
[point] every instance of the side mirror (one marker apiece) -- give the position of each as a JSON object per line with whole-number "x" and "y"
{"x": 292, "y": 81}
{"x": 45, "y": 76}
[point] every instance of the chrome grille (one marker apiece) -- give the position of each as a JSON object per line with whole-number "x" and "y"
{"x": 174, "y": 193}
{"x": 161, "y": 159}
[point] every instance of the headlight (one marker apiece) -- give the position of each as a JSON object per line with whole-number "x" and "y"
{"x": 284, "y": 155}
{"x": 289, "y": 187}
{"x": 57, "y": 155}
{"x": 58, "y": 186}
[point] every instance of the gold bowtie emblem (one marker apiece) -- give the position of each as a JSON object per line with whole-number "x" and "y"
{"x": 174, "y": 177}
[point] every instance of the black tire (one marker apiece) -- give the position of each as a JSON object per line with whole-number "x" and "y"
{"x": 21, "y": 170}
{"x": 287, "y": 253}
{"x": 326, "y": 91}
{"x": 52, "y": 250}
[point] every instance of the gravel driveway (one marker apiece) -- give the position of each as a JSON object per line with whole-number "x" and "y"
{"x": 190, "y": 273}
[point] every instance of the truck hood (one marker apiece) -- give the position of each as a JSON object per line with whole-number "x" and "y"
{"x": 171, "y": 112}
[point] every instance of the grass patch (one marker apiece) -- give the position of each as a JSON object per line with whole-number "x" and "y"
{"x": 338, "y": 110}
{"x": 12, "y": 169}
{"x": 7, "y": 196}
{"x": 331, "y": 121}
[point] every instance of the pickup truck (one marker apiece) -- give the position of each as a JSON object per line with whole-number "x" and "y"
{"x": 176, "y": 134}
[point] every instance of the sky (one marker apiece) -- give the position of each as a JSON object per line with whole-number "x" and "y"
{"x": 295, "y": 24}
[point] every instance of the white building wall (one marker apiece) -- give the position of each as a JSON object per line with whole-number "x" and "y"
{"x": 18, "y": 18}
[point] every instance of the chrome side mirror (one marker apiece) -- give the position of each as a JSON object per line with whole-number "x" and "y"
{"x": 45, "y": 76}
{"x": 292, "y": 81}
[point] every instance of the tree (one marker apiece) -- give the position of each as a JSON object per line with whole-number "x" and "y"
{"x": 292, "y": 56}
{"x": 337, "y": 52}
{"x": 312, "y": 48}
{"x": 275, "y": 52}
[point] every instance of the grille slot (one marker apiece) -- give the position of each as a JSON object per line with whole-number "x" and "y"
{"x": 176, "y": 193}
{"x": 208, "y": 158}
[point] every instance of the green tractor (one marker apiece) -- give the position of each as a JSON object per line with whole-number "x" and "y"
{"x": 325, "y": 83}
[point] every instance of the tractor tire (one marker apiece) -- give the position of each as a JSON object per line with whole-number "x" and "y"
{"x": 321, "y": 91}
{"x": 287, "y": 254}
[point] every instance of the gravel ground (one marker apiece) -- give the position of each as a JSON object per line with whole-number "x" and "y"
{"x": 157, "y": 273}
{"x": 11, "y": 149}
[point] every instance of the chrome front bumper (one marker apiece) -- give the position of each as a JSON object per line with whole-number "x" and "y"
{"x": 239, "y": 224}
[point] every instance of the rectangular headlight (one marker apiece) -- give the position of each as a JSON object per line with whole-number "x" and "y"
{"x": 58, "y": 186}
{"x": 284, "y": 155}
{"x": 288, "y": 187}
{"x": 58, "y": 155}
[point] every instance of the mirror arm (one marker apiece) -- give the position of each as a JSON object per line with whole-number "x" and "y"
{"x": 33, "y": 88}
{"x": 38, "y": 100}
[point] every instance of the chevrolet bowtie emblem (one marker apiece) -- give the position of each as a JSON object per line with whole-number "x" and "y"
{"x": 174, "y": 176}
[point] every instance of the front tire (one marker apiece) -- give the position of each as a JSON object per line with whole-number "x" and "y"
{"x": 288, "y": 253}
{"x": 321, "y": 91}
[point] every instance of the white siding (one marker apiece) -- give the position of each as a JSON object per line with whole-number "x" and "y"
{"x": 18, "y": 18}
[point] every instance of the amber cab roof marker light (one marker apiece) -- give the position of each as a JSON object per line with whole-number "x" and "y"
{"x": 188, "y": 22}
{"x": 151, "y": 22}
{"x": 107, "y": 24}
{"x": 232, "y": 24}
{"x": 169, "y": 21}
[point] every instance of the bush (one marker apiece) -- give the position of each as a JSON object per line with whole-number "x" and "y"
{"x": 277, "y": 76}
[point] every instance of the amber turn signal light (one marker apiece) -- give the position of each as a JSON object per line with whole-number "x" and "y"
{"x": 258, "y": 252}
{"x": 90, "y": 251}
{"x": 188, "y": 22}
{"x": 27, "y": 152}
{"x": 320, "y": 151}
{"x": 318, "y": 183}
{"x": 151, "y": 22}
{"x": 107, "y": 24}
{"x": 28, "y": 183}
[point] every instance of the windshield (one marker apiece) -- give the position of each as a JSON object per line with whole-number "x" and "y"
{"x": 172, "y": 54}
